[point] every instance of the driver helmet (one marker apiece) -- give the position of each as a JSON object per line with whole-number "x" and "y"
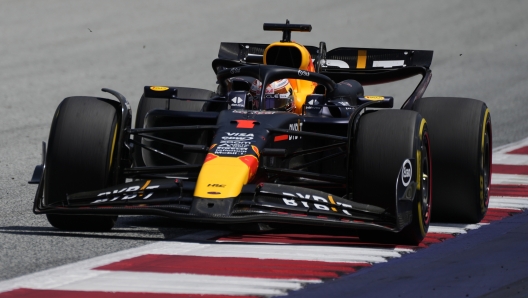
{"x": 278, "y": 95}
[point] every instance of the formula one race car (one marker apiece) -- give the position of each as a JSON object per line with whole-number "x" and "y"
{"x": 288, "y": 137}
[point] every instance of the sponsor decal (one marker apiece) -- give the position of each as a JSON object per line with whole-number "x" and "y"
{"x": 343, "y": 103}
{"x": 313, "y": 102}
{"x": 296, "y": 127}
{"x": 388, "y": 63}
{"x": 234, "y": 70}
{"x": 406, "y": 172}
{"x": 314, "y": 202}
{"x": 234, "y": 143}
{"x": 124, "y": 194}
{"x": 303, "y": 73}
{"x": 237, "y": 100}
{"x": 216, "y": 185}
{"x": 238, "y": 136}
{"x": 159, "y": 88}
{"x": 336, "y": 63}
{"x": 372, "y": 97}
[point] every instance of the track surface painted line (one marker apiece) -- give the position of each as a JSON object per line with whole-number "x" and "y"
{"x": 215, "y": 263}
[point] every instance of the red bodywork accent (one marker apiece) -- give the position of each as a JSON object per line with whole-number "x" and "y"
{"x": 256, "y": 150}
{"x": 245, "y": 123}
{"x": 281, "y": 138}
{"x": 210, "y": 156}
{"x": 252, "y": 162}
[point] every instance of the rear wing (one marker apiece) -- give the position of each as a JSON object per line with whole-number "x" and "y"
{"x": 351, "y": 58}
{"x": 366, "y": 65}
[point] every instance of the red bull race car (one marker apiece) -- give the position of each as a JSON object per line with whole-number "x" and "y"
{"x": 287, "y": 138}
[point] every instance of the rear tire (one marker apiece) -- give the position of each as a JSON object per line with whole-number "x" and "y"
{"x": 147, "y": 104}
{"x": 461, "y": 142}
{"x": 79, "y": 157}
{"x": 384, "y": 140}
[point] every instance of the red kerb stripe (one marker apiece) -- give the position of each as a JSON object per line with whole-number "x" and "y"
{"x": 30, "y": 293}
{"x": 510, "y": 169}
{"x": 509, "y": 190}
{"x": 307, "y": 239}
{"x": 241, "y": 267}
{"x": 495, "y": 214}
{"x": 522, "y": 150}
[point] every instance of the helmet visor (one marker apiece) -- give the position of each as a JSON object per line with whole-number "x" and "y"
{"x": 280, "y": 102}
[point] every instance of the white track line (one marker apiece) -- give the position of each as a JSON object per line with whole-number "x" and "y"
{"x": 504, "y": 149}
{"x": 510, "y": 159}
{"x": 445, "y": 228}
{"x": 509, "y": 179}
{"x": 509, "y": 202}
{"x": 145, "y": 282}
{"x": 282, "y": 252}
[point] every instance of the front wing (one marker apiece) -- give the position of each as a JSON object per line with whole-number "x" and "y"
{"x": 258, "y": 203}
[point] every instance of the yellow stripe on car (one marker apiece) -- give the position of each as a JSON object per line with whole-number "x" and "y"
{"x": 362, "y": 59}
{"x": 113, "y": 146}
{"x": 331, "y": 199}
{"x": 419, "y": 158}
{"x": 159, "y": 88}
{"x": 145, "y": 185}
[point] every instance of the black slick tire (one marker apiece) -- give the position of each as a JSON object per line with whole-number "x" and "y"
{"x": 147, "y": 104}
{"x": 384, "y": 141}
{"x": 80, "y": 157}
{"x": 461, "y": 143}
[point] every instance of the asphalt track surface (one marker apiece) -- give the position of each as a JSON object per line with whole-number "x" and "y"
{"x": 53, "y": 49}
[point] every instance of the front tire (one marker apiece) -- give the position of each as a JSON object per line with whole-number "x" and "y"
{"x": 80, "y": 158}
{"x": 385, "y": 139}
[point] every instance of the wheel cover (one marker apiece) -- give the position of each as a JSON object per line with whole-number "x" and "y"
{"x": 426, "y": 188}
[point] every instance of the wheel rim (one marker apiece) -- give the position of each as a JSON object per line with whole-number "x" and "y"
{"x": 426, "y": 180}
{"x": 486, "y": 167}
